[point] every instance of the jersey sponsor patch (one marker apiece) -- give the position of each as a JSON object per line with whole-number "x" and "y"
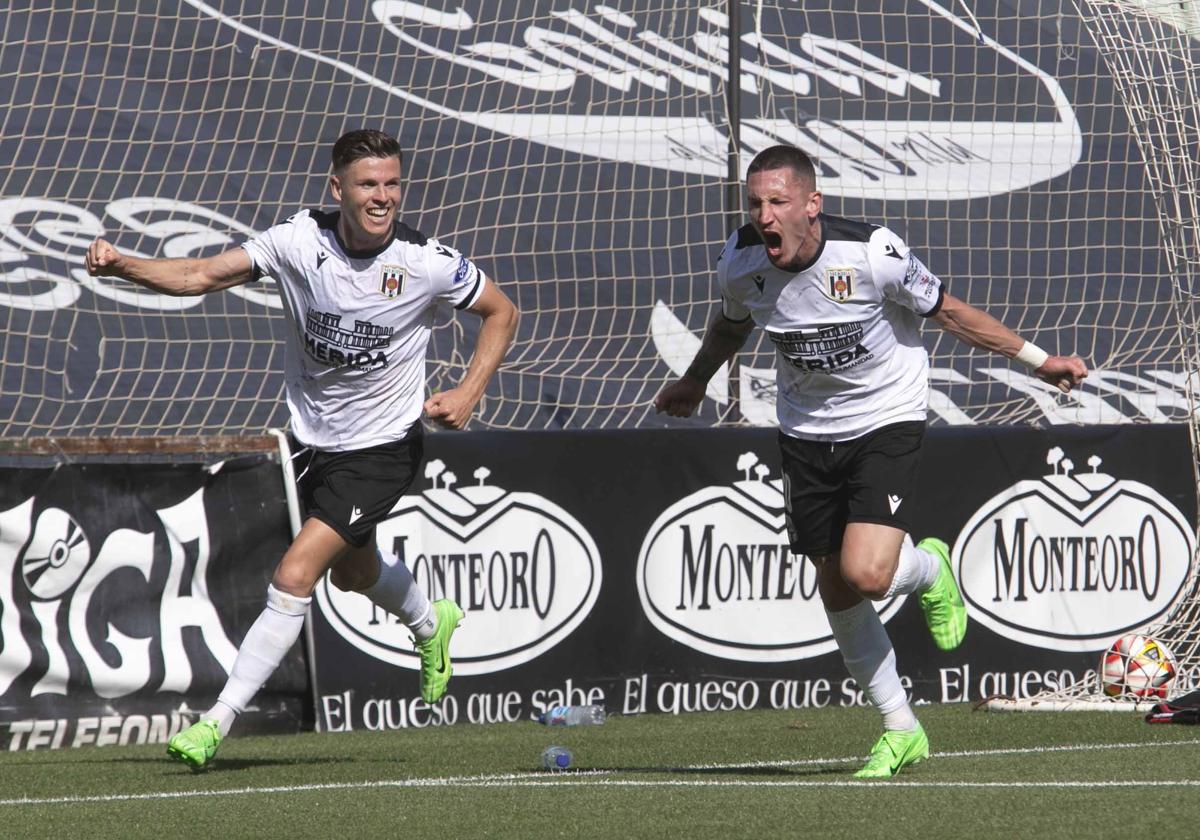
{"x": 831, "y": 349}
{"x": 917, "y": 279}
{"x": 328, "y": 342}
{"x": 839, "y": 283}
{"x": 466, "y": 270}
{"x": 391, "y": 280}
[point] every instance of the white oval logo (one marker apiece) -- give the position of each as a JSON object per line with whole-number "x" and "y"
{"x": 716, "y": 573}
{"x": 1070, "y": 562}
{"x": 525, "y": 572}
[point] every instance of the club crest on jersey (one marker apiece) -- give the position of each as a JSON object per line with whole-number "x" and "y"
{"x": 391, "y": 280}
{"x": 839, "y": 283}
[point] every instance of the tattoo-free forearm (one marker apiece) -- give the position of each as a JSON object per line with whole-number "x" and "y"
{"x": 977, "y": 328}
{"x": 496, "y": 333}
{"x": 176, "y": 276}
{"x": 183, "y": 276}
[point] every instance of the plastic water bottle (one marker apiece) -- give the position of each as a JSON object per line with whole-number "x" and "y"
{"x": 572, "y": 716}
{"x": 556, "y": 758}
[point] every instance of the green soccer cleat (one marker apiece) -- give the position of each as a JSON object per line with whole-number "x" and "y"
{"x": 435, "y": 651}
{"x": 894, "y": 750}
{"x": 945, "y": 613}
{"x": 196, "y": 745}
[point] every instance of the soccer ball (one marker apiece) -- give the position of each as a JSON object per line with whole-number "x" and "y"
{"x": 1137, "y": 665}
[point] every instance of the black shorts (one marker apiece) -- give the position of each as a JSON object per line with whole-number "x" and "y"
{"x": 352, "y": 492}
{"x": 868, "y": 479}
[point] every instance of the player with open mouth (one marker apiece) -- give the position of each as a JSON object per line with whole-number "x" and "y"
{"x": 843, "y": 302}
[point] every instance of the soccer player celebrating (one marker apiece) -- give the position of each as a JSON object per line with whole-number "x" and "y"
{"x": 842, "y": 301}
{"x": 360, "y": 290}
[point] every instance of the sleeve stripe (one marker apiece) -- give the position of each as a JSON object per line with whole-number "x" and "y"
{"x": 937, "y": 306}
{"x": 256, "y": 273}
{"x": 472, "y": 295}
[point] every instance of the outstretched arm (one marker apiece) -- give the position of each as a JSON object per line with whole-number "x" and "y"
{"x": 452, "y": 409}
{"x": 979, "y": 329}
{"x": 722, "y": 340}
{"x": 178, "y": 277}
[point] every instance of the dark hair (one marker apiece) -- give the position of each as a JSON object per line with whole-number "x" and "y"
{"x": 363, "y": 143}
{"x": 784, "y": 157}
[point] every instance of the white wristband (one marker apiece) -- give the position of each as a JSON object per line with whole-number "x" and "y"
{"x": 1032, "y": 356}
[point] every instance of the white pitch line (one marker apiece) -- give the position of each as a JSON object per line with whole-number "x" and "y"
{"x": 590, "y": 777}
{"x": 448, "y": 781}
{"x": 819, "y": 762}
{"x": 827, "y": 783}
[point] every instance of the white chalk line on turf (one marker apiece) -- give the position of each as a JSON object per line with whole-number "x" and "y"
{"x": 825, "y": 783}
{"x": 595, "y": 778}
{"x": 1058, "y": 748}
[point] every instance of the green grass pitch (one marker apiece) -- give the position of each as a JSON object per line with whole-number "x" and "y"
{"x": 720, "y": 775}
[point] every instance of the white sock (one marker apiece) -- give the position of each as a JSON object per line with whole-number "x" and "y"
{"x": 398, "y": 593}
{"x": 917, "y": 570}
{"x": 871, "y": 660}
{"x": 271, "y": 636}
{"x": 224, "y": 714}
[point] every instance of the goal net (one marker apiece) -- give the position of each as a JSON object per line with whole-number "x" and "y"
{"x": 581, "y": 152}
{"x": 1151, "y": 50}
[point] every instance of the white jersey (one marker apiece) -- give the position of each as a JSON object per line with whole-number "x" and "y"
{"x": 846, "y": 327}
{"x": 359, "y": 325}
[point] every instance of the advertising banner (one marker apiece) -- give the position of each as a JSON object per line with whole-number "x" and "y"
{"x": 124, "y": 592}
{"x": 650, "y": 571}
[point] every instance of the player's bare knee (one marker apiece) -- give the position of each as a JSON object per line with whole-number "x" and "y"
{"x": 869, "y": 582}
{"x": 291, "y": 584}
